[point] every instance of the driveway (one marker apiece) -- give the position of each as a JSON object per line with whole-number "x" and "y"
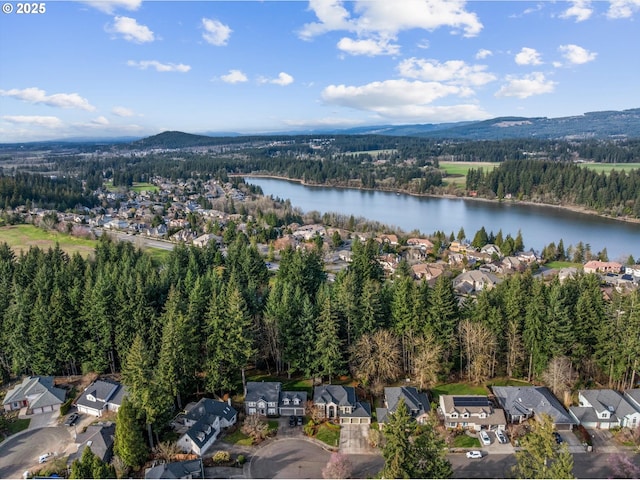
{"x": 354, "y": 439}
{"x": 20, "y": 452}
{"x": 48, "y": 419}
{"x": 603, "y": 441}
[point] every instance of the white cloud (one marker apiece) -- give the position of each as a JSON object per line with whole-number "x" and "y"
{"x": 234, "y": 76}
{"x": 528, "y": 56}
{"x": 580, "y": 10}
{"x": 455, "y": 72}
{"x": 131, "y": 30}
{"x": 377, "y": 23}
{"x": 401, "y": 99}
{"x": 623, "y": 8}
{"x": 37, "y": 95}
{"x": 109, "y": 6}
{"x": 160, "y": 67}
{"x": 576, "y": 55}
{"x": 324, "y": 122}
{"x": 215, "y": 32}
{"x": 483, "y": 53}
{"x": 100, "y": 121}
{"x": 282, "y": 80}
{"x": 36, "y": 120}
{"x": 424, "y": 44}
{"x": 369, "y": 47}
{"x": 526, "y": 86}
{"x": 122, "y": 112}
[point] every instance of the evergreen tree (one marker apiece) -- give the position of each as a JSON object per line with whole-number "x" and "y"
{"x": 129, "y": 441}
{"x": 541, "y": 456}
{"x": 329, "y": 361}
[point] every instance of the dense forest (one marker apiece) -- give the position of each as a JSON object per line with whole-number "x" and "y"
{"x": 616, "y": 193}
{"x": 202, "y": 318}
{"x": 55, "y": 193}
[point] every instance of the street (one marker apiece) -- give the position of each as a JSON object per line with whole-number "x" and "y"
{"x": 21, "y": 452}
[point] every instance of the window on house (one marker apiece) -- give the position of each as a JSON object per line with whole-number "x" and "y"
{"x": 285, "y": 401}
{"x": 454, "y": 414}
{"x": 296, "y": 401}
{"x": 252, "y": 411}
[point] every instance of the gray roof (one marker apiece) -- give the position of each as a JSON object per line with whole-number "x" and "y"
{"x": 413, "y": 399}
{"x": 588, "y": 414}
{"x": 185, "y": 469}
{"x": 362, "y": 410}
{"x": 41, "y": 390}
{"x": 201, "y": 431}
{"x": 207, "y": 406}
{"x": 525, "y": 401}
{"x": 267, "y": 391}
{"x": 338, "y": 394}
{"x": 301, "y": 396}
{"x": 99, "y": 438}
{"x": 607, "y": 399}
{"x": 101, "y": 390}
{"x": 633, "y": 395}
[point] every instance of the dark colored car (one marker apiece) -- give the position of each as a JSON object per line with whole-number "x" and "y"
{"x": 292, "y": 421}
{"x": 558, "y": 438}
{"x": 300, "y": 420}
{"x": 71, "y": 419}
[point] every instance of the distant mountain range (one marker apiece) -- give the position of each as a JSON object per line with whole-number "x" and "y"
{"x": 594, "y": 125}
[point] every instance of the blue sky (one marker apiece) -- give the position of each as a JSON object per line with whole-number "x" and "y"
{"x": 136, "y": 68}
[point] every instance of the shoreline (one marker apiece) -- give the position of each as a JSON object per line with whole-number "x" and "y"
{"x": 571, "y": 208}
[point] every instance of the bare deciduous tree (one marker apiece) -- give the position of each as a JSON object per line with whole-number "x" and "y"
{"x": 478, "y": 344}
{"x": 559, "y": 375}
{"x": 338, "y": 466}
{"x": 427, "y": 361}
{"x": 167, "y": 451}
{"x": 376, "y": 358}
{"x": 255, "y": 427}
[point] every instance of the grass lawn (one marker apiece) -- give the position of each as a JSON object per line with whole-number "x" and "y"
{"x": 607, "y": 167}
{"x": 238, "y": 438}
{"x": 17, "y": 425}
{"x": 559, "y": 264}
{"x": 21, "y": 237}
{"x": 465, "y": 441}
{"x": 273, "y": 427}
{"x": 458, "y": 389}
{"x": 329, "y": 434}
{"x": 144, "y": 187}
{"x": 508, "y": 382}
{"x": 461, "y": 168}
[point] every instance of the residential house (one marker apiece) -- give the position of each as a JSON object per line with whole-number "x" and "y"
{"x": 427, "y": 271}
{"x": 633, "y": 397}
{"x": 423, "y": 243}
{"x": 491, "y": 249}
{"x": 37, "y": 394}
{"x": 474, "y": 281}
{"x": 101, "y": 396}
{"x": 528, "y": 257}
{"x": 596, "y": 266}
{"x": 471, "y": 412}
{"x": 184, "y": 469}
{"x": 337, "y": 402}
{"x": 99, "y": 437}
{"x": 522, "y": 403}
{"x": 268, "y": 398}
{"x": 604, "y": 409}
{"x": 460, "y": 247}
{"x": 633, "y": 270}
{"x": 205, "y": 421}
{"x": 204, "y": 240}
{"x": 388, "y": 238}
{"x": 417, "y": 403}
{"x": 513, "y": 264}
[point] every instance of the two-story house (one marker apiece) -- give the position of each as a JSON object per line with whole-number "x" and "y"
{"x": 604, "y": 409}
{"x": 417, "y": 403}
{"x": 522, "y": 403}
{"x": 205, "y": 421}
{"x": 101, "y": 396}
{"x": 337, "y": 402}
{"x": 268, "y": 399}
{"x": 471, "y": 412}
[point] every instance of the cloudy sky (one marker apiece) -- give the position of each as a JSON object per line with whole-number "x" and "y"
{"x": 128, "y": 67}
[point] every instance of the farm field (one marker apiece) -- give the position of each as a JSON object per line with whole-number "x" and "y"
{"x": 607, "y": 167}
{"x": 456, "y": 172}
{"x": 21, "y": 237}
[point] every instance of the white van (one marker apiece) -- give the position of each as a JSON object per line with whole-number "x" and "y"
{"x": 484, "y": 437}
{"x": 44, "y": 457}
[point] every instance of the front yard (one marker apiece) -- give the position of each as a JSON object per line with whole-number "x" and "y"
{"x": 10, "y": 424}
{"x": 328, "y": 433}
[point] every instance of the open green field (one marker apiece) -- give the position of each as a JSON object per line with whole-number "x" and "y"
{"x": 136, "y": 187}
{"x": 374, "y": 153}
{"x": 21, "y": 237}
{"x": 607, "y": 167}
{"x": 461, "y": 168}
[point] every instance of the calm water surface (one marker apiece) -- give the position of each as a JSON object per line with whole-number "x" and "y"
{"x": 540, "y": 225}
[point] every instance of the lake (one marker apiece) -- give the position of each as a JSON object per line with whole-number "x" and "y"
{"x": 540, "y": 225}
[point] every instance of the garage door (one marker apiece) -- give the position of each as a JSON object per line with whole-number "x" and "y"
{"x": 37, "y": 411}
{"x": 287, "y": 411}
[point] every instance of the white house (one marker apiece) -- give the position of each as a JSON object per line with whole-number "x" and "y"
{"x": 605, "y": 409}
{"x": 101, "y": 396}
{"x": 205, "y": 421}
{"x": 471, "y": 412}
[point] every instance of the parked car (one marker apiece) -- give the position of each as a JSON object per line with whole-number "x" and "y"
{"x": 474, "y": 454}
{"x": 484, "y": 438}
{"x": 292, "y": 421}
{"x": 501, "y": 436}
{"x": 558, "y": 438}
{"x": 300, "y": 420}
{"x": 44, "y": 457}
{"x": 71, "y": 419}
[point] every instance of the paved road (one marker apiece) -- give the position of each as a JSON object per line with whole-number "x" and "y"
{"x": 21, "y": 452}
{"x": 139, "y": 240}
